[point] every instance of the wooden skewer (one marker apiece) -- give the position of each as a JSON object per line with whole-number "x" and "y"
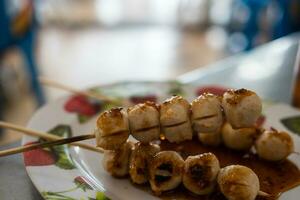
{"x": 55, "y": 84}
{"x": 45, "y": 144}
{"x": 263, "y": 194}
{"x": 267, "y": 195}
{"x": 46, "y": 136}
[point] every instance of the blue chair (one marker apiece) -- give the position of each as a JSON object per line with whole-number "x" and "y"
{"x": 285, "y": 19}
{"x": 25, "y": 42}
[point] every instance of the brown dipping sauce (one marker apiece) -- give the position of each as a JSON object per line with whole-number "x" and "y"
{"x": 274, "y": 178}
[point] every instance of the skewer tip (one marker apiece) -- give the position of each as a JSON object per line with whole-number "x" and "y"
{"x": 263, "y": 194}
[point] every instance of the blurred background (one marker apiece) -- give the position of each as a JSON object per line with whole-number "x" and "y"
{"x": 86, "y": 42}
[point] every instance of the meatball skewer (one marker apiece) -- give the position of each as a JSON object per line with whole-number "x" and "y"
{"x": 200, "y": 173}
{"x": 239, "y": 182}
{"x": 112, "y": 129}
{"x": 140, "y": 160}
{"x": 175, "y": 119}
{"x": 206, "y": 113}
{"x": 116, "y": 162}
{"x": 273, "y": 145}
{"x": 144, "y": 122}
{"x": 241, "y": 107}
{"x": 165, "y": 171}
{"x": 239, "y": 139}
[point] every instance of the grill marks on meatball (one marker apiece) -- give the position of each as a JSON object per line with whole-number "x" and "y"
{"x": 205, "y": 117}
{"x": 176, "y": 124}
{"x": 147, "y": 128}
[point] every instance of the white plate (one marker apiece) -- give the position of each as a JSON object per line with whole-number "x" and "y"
{"x": 75, "y": 173}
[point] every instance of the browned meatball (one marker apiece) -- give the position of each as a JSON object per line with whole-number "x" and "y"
{"x": 116, "y": 162}
{"x": 207, "y": 113}
{"x": 239, "y": 139}
{"x": 140, "y": 160}
{"x": 242, "y": 107}
{"x": 112, "y": 129}
{"x": 175, "y": 119}
{"x": 274, "y": 145}
{"x": 200, "y": 173}
{"x": 144, "y": 122}
{"x": 165, "y": 171}
{"x": 238, "y": 182}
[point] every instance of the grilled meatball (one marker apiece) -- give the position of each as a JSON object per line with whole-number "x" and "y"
{"x": 242, "y": 107}
{"x": 165, "y": 171}
{"x": 238, "y": 139}
{"x": 112, "y": 129}
{"x": 207, "y": 113}
{"x": 175, "y": 119}
{"x": 140, "y": 160}
{"x": 200, "y": 173}
{"x": 238, "y": 182}
{"x": 144, "y": 122}
{"x": 116, "y": 162}
{"x": 274, "y": 145}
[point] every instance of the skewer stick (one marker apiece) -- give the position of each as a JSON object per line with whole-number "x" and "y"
{"x": 51, "y": 83}
{"x": 263, "y": 194}
{"x": 45, "y": 144}
{"x": 46, "y": 136}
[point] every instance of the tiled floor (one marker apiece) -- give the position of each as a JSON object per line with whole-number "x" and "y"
{"x": 89, "y": 56}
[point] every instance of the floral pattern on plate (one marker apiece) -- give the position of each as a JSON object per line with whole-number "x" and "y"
{"x": 79, "y": 183}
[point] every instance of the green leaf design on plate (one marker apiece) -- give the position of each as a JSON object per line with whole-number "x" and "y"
{"x": 55, "y": 196}
{"x": 176, "y": 88}
{"x": 101, "y": 196}
{"x": 79, "y": 181}
{"x": 292, "y": 123}
{"x": 83, "y": 118}
{"x": 64, "y": 160}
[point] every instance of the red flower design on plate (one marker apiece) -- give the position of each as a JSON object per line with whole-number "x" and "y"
{"x": 217, "y": 90}
{"x": 81, "y": 105}
{"x": 38, "y": 157}
{"x": 143, "y": 99}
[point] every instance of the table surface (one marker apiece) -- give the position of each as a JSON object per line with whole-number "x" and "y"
{"x": 267, "y": 70}
{"x": 13, "y": 175}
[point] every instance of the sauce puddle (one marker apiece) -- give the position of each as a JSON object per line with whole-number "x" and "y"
{"x": 274, "y": 178}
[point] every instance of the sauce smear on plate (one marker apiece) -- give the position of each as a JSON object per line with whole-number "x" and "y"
{"x": 274, "y": 178}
